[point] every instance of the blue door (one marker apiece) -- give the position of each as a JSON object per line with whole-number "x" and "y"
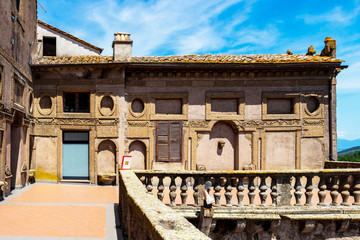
{"x": 75, "y": 155}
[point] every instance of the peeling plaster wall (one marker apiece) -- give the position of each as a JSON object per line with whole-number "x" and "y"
{"x": 211, "y": 155}
{"x": 280, "y": 150}
{"x": 46, "y": 159}
{"x": 65, "y": 47}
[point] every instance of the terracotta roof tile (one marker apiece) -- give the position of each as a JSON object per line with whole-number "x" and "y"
{"x": 243, "y": 59}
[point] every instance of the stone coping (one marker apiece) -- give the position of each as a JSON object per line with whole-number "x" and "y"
{"x": 165, "y": 222}
{"x": 248, "y": 172}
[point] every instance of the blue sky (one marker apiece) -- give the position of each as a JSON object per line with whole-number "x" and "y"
{"x": 177, "y": 27}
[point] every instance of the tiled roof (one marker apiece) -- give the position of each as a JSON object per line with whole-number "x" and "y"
{"x": 244, "y": 59}
{"x": 69, "y": 36}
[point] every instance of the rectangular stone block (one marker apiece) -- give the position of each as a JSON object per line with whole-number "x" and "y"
{"x": 137, "y": 132}
{"x": 107, "y": 131}
{"x": 313, "y": 131}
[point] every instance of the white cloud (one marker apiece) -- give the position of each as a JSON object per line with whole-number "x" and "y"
{"x": 336, "y": 15}
{"x": 175, "y": 27}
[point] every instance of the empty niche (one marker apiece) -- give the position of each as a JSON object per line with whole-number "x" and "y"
{"x": 137, "y": 106}
{"x": 222, "y": 145}
{"x": 106, "y": 157}
{"x": 226, "y": 105}
{"x": 45, "y": 105}
{"x": 137, "y": 150}
{"x": 106, "y": 105}
{"x": 168, "y": 106}
{"x": 312, "y": 104}
{"x": 280, "y": 106}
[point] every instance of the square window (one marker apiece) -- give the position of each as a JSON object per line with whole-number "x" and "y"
{"x": 49, "y": 46}
{"x": 77, "y": 102}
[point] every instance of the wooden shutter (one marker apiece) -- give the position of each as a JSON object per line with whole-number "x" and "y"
{"x": 168, "y": 141}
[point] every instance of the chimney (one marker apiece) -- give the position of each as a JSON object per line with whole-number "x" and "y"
{"x": 330, "y": 48}
{"x": 122, "y": 46}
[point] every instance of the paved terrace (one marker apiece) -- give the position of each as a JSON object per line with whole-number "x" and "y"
{"x": 60, "y": 211}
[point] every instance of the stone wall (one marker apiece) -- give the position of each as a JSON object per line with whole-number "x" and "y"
{"x": 17, "y": 52}
{"x": 145, "y": 217}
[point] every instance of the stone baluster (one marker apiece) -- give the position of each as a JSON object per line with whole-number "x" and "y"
{"x": 344, "y": 188}
{"x": 217, "y": 189}
{"x": 263, "y": 188}
{"x": 160, "y": 188}
{"x": 149, "y": 185}
{"x": 334, "y": 190}
{"x": 356, "y": 192}
{"x": 322, "y": 190}
{"x": 196, "y": 193}
{"x": 142, "y": 180}
{"x": 240, "y": 193}
{"x": 251, "y": 189}
{"x": 228, "y": 194}
{"x": 172, "y": 193}
{"x": 298, "y": 192}
{"x": 309, "y": 188}
{"x": 274, "y": 194}
{"x": 184, "y": 189}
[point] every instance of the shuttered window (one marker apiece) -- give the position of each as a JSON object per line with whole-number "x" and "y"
{"x": 168, "y": 141}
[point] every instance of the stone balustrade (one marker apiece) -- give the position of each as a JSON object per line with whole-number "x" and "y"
{"x": 142, "y": 216}
{"x": 330, "y": 187}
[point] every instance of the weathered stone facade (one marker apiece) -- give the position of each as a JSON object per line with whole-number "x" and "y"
{"x": 207, "y": 112}
{"x": 211, "y": 112}
{"x": 17, "y": 52}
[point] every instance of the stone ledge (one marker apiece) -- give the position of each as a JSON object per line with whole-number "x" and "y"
{"x": 147, "y": 213}
{"x": 270, "y": 213}
{"x": 333, "y": 217}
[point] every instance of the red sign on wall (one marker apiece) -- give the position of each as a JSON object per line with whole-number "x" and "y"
{"x": 126, "y": 163}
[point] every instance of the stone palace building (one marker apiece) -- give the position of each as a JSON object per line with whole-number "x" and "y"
{"x": 68, "y": 113}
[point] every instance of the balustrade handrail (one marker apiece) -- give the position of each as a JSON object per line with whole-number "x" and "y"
{"x": 248, "y": 172}
{"x": 283, "y": 187}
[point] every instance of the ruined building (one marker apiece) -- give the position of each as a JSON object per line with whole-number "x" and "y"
{"x": 212, "y": 112}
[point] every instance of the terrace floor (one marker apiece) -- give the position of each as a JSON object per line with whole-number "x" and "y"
{"x": 60, "y": 211}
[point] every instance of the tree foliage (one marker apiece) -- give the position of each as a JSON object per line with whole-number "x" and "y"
{"x": 355, "y": 157}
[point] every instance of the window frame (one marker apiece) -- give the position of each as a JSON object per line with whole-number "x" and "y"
{"x": 163, "y": 96}
{"x": 295, "y": 97}
{"x": 77, "y": 102}
{"x": 240, "y": 115}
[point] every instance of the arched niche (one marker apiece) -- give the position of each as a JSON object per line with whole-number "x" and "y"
{"x": 137, "y": 150}
{"x": 217, "y": 149}
{"x": 106, "y": 159}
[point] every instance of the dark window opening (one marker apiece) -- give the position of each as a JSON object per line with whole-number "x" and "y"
{"x": 77, "y": 102}
{"x": 17, "y": 4}
{"x": 168, "y": 141}
{"x": 49, "y": 46}
{"x": 280, "y": 106}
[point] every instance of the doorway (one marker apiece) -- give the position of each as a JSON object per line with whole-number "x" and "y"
{"x": 76, "y": 155}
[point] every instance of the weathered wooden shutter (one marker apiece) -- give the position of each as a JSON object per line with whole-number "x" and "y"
{"x": 168, "y": 141}
{"x": 175, "y": 141}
